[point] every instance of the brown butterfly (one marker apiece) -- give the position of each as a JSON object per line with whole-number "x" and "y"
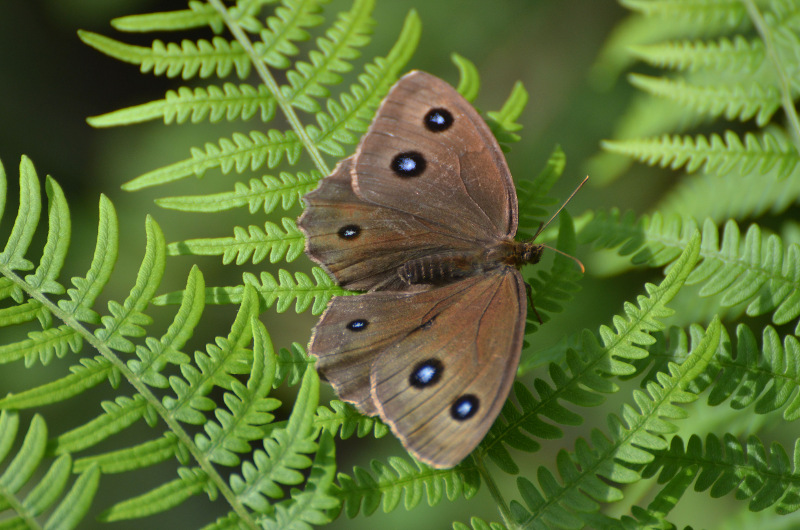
{"x": 423, "y": 217}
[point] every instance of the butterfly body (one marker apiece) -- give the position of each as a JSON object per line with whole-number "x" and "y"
{"x": 423, "y": 218}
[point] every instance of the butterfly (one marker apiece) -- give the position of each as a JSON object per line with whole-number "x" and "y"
{"x": 422, "y": 217}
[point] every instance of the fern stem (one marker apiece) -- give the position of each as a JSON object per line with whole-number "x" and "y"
{"x": 783, "y": 79}
{"x": 502, "y": 505}
{"x": 273, "y": 87}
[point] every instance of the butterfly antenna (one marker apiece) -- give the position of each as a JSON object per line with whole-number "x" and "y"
{"x": 573, "y": 258}
{"x": 544, "y": 225}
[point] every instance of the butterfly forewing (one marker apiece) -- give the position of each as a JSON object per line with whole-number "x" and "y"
{"x": 361, "y": 244}
{"x": 430, "y": 154}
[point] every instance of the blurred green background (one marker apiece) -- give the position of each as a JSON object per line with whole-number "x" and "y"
{"x": 50, "y": 83}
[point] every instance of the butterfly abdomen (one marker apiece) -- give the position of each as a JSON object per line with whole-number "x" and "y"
{"x": 440, "y": 269}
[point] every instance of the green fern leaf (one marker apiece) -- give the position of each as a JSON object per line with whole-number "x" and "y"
{"x": 336, "y": 49}
{"x": 127, "y": 319}
{"x": 469, "y": 81}
{"x": 284, "y": 452}
{"x": 762, "y": 154}
{"x": 312, "y": 505}
{"x": 266, "y": 192}
{"x": 292, "y": 365}
{"x": 345, "y": 420}
{"x": 476, "y": 523}
{"x": 739, "y": 54}
{"x": 254, "y": 243}
{"x": 236, "y": 154}
{"x": 188, "y": 59}
{"x": 231, "y": 102}
{"x": 190, "y": 483}
{"x": 633, "y": 439}
{"x": 387, "y": 485}
{"x": 23, "y": 502}
{"x": 738, "y": 101}
{"x": 138, "y": 456}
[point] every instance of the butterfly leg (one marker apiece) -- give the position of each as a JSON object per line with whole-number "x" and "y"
{"x": 529, "y": 292}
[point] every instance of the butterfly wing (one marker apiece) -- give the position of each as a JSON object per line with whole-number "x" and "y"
{"x": 430, "y": 154}
{"x": 436, "y": 365}
{"x": 362, "y": 244}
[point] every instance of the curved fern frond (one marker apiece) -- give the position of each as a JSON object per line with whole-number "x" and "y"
{"x": 386, "y": 486}
{"x": 28, "y": 491}
{"x": 588, "y": 473}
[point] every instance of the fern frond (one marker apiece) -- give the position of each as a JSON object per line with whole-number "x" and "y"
{"x": 299, "y": 289}
{"x": 355, "y": 108}
{"x": 532, "y": 195}
{"x": 230, "y": 102}
{"x": 748, "y": 195}
{"x": 734, "y": 101}
{"x": 287, "y": 26}
{"x": 764, "y": 377}
{"x": 476, "y": 523}
{"x": 345, "y": 421}
{"x": 128, "y": 319}
{"x": 767, "y": 152}
{"x": 248, "y": 407}
{"x": 589, "y": 367}
{"x": 311, "y": 506}
{"x": 253, "y": 243}
{"x": 743, "y": 269}
{"x": 23, "y": 502}
{"x": 238, "y": 153}
{"x": 218, "y": 57}
{"x": 724, "y": 466}
{"x": 284, "y": 454}
{"x": 267, "y": 192}
{"x": 199, "y": 14}
{"x": 292, "y": 365}
{"x": 339, "y": 46}
{"x": 138, "y": 456}
{"x": 587, "y": 474}
{"x": 739, "y": 54}
{"x": 701, "y": 12}
{"x": 386, "y": 485}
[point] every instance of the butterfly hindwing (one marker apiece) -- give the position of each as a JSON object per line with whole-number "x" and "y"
{"x": 420, "y": 352}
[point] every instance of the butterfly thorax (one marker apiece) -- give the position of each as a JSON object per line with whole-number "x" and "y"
{"x": 450, "y": 266}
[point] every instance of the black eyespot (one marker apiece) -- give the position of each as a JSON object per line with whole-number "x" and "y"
{"x": 409, "y": 164}
{"x": 349, "y": 231}
{"x": 464, "y": 407}
{"x": 426, "y": 373}
{"x": 438, "y": 120}
{"x": 358, "y": 325}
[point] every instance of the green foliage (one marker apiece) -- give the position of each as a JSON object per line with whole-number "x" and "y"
{"x": 244, "y": 423}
